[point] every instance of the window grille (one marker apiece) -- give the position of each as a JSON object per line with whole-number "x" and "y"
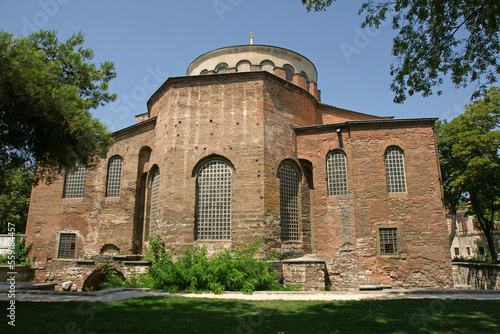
{"x": 288, "y": 73}
{"x": 214, "y": 201}
{"x": 74, "y": 187}
{"x": 336, "y": 173}
{"x": 289, "y": 203}
{"x": 395, "y": 170}
{"x": 114, "y": 177}
{"x": 67, "y": 246}
{"x": 153, "y": 216}
{"x": 221, "y": 69}
{"x": 389, "y": 241}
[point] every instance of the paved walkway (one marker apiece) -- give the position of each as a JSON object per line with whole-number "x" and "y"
{"x": 114, "y": 295}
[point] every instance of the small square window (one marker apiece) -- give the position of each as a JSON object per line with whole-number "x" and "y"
{"x": 67, "y": 246}
{"x": 457, "y": 251}
{"x": 389, "y": 241}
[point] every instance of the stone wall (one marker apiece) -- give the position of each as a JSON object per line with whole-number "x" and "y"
{"x": 255, "y": 122}
{"x": 80, "y": 272}
{"x": 476, "y": 276}
{"x": 347, "y": 226}
{"x": 23, "y": 273}
{"x": 309, "y": 272}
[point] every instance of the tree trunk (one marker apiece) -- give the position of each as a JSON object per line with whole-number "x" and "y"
{"x": 453, "y": 212}
{"x": 491, "y": 246}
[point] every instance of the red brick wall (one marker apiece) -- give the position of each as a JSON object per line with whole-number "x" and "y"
{"x": 249, "y": 119}
{"x": 96, "y": 219}
{"x": 347, "y": 226}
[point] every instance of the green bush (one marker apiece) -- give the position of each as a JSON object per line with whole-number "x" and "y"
{"x": 114, "y": 280}
{"x": 238, "y": 270}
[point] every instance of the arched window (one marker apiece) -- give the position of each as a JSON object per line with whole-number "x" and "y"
{"x": 114, "y": 176}
{"x": 153, "y": 213}
{"x": 267, "y": 65}
{"x": 336, "y": 169}
{"x": 289, "y": 72}
{"x": 395, "y": 170}
{"x": 74, "y": 184}
{"x": 221, "y": 68}
{"x": 289, "y": 202}
{"x": 213, "y": 201}
{"x": 304, "y": 74}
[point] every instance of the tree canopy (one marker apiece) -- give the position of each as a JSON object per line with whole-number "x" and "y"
{"x": 436, "y": 39}
{"x": 471, "y": 145}
{"x": 47, "y": 88}
{"x": 15, "y": 191}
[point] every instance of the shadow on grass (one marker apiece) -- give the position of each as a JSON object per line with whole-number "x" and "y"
{"x": 186, "y": 315}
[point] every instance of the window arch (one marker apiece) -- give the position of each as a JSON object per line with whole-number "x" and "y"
{"x": 336, "y": 170}
{"x": 267, "y": 65}
{"x": 74, "y": 183}
{"x": 213, "y": 195}
{"x": 289, "y": 202}
{"x": 114, "y": 183}
{"x": 221, "y": 68}
{"x": 244, "y": 66}
{"x": 395, "y": 170}
{"x": 153, "y": 209}
{"x": 289, "y": 72}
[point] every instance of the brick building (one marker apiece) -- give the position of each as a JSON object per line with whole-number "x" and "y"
{"x": 242, "y": 148}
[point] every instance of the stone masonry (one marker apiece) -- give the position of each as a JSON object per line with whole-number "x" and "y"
{"x": 255, "y": 121}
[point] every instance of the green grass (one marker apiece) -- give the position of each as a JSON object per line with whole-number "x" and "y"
{"x": 185, "y": 315}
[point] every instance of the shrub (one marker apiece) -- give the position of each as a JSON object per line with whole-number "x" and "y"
{"x": 238, "y": 270}
{"x": 114, "y": 280}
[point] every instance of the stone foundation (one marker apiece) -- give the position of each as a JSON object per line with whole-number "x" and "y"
{"x": 23, "y": 273}
{"x": 308, "y": 271}
{"x": 476, "y": 276}
{"x": 82, "y": 272}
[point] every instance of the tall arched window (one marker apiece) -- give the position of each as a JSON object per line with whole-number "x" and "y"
{"x": 114, "y": 176}
{"x": 289, "y": 202}
{"x": 74, "y": 184}
{"x": 289, "y": 72}
{"x": 395, "y": 170}
{"x": 213, "y": 201}
{"x": 336, "y": 169}
{"x": 153, "y": 213}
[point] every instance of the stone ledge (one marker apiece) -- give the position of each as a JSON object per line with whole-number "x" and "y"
{"x": 374, "y": 287}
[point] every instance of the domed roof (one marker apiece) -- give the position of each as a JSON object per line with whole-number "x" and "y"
{"x": 252, "y": 57}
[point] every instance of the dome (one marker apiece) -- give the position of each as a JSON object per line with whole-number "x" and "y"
{"x": 254, "y": 57}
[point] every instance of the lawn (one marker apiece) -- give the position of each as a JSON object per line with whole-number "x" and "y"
{"x": 185, "y": 315}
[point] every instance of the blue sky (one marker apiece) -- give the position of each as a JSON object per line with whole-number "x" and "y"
{"x": 151, "y": 40}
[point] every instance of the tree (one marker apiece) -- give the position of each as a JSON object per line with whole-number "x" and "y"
{"x": 15, "y": 191}
{"x": 436, "y": 38}
{"x": 452, "y": 194}
{"x": 474, "y": 138}
{"x": 46, "y": 91}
